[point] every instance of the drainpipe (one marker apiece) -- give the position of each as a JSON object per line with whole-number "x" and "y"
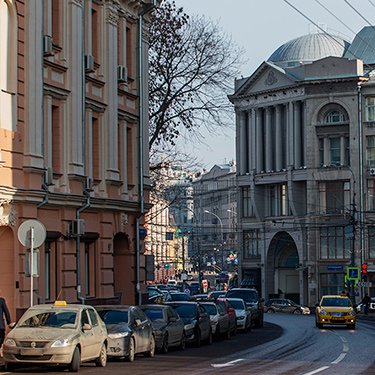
{"x": 45, "y": 199}
{"x": 78, "y": 243}
{"x": 361, "y": 189}
{"x": 145, "y": 10}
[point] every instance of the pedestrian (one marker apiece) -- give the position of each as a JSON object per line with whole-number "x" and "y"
{"x": 4, "y": 314}
{"x": 366, "y": 303}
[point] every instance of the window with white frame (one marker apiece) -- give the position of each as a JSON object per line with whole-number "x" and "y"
{"x": 334, "y": 150}
{"x": 370, "y": 108}
{"x": 371, "y": 195}
{"x": 370, "y": 150}
{"x": 333, "y": 117}
{"x": 334, "y": 197}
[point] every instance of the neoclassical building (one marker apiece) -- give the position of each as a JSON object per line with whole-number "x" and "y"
{"x": 73, "y": 148}
{"x": 305, "y": 156}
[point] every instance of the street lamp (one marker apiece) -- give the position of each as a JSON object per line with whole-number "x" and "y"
{"x": 222, "y": 235}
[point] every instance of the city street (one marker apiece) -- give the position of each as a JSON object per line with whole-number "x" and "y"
{"x": 288, "y": 344}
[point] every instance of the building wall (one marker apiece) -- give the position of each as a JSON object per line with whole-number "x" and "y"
{"x": 69, "y": 147}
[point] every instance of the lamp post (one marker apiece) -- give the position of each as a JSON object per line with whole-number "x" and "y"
{"x": 222, "y": 235}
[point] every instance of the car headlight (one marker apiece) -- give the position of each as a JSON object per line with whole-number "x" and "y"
{"x": 323, "y": 312}
{"x": 10, "y": 342}
{"x": 118, "y": 335}
{"x": 60, "y": 343}
{"x": 189, "y": 326}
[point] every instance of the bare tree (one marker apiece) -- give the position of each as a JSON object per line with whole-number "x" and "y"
{"x": 193, "y": 64}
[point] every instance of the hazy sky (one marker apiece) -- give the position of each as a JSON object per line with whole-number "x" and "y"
{"x": 260, "y": 27}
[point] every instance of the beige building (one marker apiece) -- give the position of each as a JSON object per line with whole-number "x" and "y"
{"x": 305, "y": 153}
{"x": 73, "y": 147}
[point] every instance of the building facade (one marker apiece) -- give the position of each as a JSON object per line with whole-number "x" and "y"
{"x": 305, "y": 146}
{"x": 74, "y": 155}
{"x": 214, "y": 235}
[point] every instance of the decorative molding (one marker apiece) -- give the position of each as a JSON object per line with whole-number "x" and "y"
{"x": 7, "y": 213}
{"x": 111, "y": 13}
{"x": 271, "y": 78}
{"x": 77, "y": 2}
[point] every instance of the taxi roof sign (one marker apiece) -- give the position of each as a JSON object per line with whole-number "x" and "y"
{"x": 60, "y": 303}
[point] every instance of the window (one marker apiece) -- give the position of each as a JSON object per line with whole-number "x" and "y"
{"x": 90, "y": 272}
{"x": 247, "y": 207}
{"x": 334, "y": 151}
{"x": 50, "y": 271}
{"x": 331, "y": 283}
{"x": 371, "y": 194}
{"x": 370, "y": 108}
{"x": 251, "y": 240}
{"x": 277, "y": 198}
{"x": 334, "y": 197}
{"x": 321, "y": 151}
{"x": 370, "y": 151}
{"x": 93, "y": 317}
{"x": 333, "y": 117}
{"x": 334, "y": 244}
{"x": 371, "y": 242}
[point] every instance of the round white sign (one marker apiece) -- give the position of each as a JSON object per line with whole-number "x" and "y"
{"x": 24, "y": 233}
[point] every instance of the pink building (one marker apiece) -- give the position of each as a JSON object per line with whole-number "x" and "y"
{"x": 73, "y": 148}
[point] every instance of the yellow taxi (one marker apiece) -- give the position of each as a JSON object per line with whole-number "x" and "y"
{"x": 57, "y": 334}
{"x": 335, "y": 310}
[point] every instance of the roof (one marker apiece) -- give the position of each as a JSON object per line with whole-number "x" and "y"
{"x": 363, "y": 46}
{"x": 308, "y": 48}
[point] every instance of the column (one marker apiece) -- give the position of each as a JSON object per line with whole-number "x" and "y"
{"x": 111, "y": 114}
{"x": 243, "y": 156}
{"x": 297, "y": 135}
{"x": 268, "y": 144}
{"x": 259, "y": 137}
{"x": 253, "y": 139}
{"x": 290, "y": 135}
{"x": 278, "y": 139}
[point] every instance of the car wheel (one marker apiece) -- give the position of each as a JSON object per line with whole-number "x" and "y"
{"x": 198, "y": 338}
{"x": 101, "y": 361}
{"x": 228, "y": 334}
{"x": 270, "y": 311}
{"x": 298, "y": 312}
{"x": 319, "y": 325}
{"x": 10, "y": 366}
{"x": 249, "y": 326}
{"x": 151, "y": 352}
{"x": 164, "y": 348}
{"x": 131, "y": 351}
{"x": 76, "y": 361}
{"x": 183, "y": 342}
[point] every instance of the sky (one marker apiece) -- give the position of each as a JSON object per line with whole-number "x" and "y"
{"x": 260, "y": 27}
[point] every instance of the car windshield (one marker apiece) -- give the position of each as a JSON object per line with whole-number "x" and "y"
{"x": 154, "y": 314}
{"x": 246, "y": 295}
{"x": 237, "y": 305}
{"x": 341, "y": 302}
{"x": 210, "y": 309}
{"x": 179, "y": 297}
{"x": 114, "y": 316}
{"x": 56, "y": 319}
{"x": 185, "y": 311}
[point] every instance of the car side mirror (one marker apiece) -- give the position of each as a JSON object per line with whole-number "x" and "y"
{"x": 86, "y": 327}
{"x": 137, "y": 322}
{"x": 172, "y": 319}
{"x": 202, "y": 315}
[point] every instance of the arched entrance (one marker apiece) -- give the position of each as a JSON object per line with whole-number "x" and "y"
{"x": 123, "y": 268}
{"x": 282, "y": 264}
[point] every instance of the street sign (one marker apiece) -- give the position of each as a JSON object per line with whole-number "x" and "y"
{"x": 365, "y": 284}
{"x": 353, "y": 273}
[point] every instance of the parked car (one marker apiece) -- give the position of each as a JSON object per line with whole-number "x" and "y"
{"x": 201, "y": 297}
{"x": 178, "y": 296}
{"x": 197, "y": 321}
{"x": 243, "y": 313}
{"x": 129, "y": 331}
{"x": 57, "y": 334}
{"x": 229, "y": 310}
{"x": 284, "y": 305}
{"x": 194, "y": 287}
{"x": 216, "y": 294}
{"x": 335, "y": 310}
{"x": 168, "y": 326}
{"x": 252, "y": 300}
{"x": 219, "y": 319}
{"x": 155, "y": 295}
{"x": 172, "y": 282}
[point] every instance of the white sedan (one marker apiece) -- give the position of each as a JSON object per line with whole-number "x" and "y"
{"x": 243, "y": 314}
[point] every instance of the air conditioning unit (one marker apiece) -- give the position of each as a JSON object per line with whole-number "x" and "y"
{"x": 47, "y": 45}
{"x": 77, "y": 227}
{"x": 372, "y": 171}
{"x": 122, "y": 74}
{"x": 89, "y": 64}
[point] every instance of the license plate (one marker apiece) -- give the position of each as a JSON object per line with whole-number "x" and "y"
{"x": 31, "y": 352}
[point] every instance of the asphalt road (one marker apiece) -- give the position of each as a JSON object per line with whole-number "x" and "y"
{"x": 288, "y": 344}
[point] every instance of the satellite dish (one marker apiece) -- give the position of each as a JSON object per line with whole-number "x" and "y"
{"x": 24, "y": 233}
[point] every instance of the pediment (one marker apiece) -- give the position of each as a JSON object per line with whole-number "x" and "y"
{"x": 268, "y": 77}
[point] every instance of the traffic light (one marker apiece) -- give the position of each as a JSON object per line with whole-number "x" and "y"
{"x": 364, "y": 271}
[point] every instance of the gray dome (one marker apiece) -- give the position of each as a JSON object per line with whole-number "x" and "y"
{"x": 308, "y": 48}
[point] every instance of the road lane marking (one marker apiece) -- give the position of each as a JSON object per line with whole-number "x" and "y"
{"x": 339, "y": 358}
{"x": 317, "y": 370}
{"x": 227, "y": 364}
